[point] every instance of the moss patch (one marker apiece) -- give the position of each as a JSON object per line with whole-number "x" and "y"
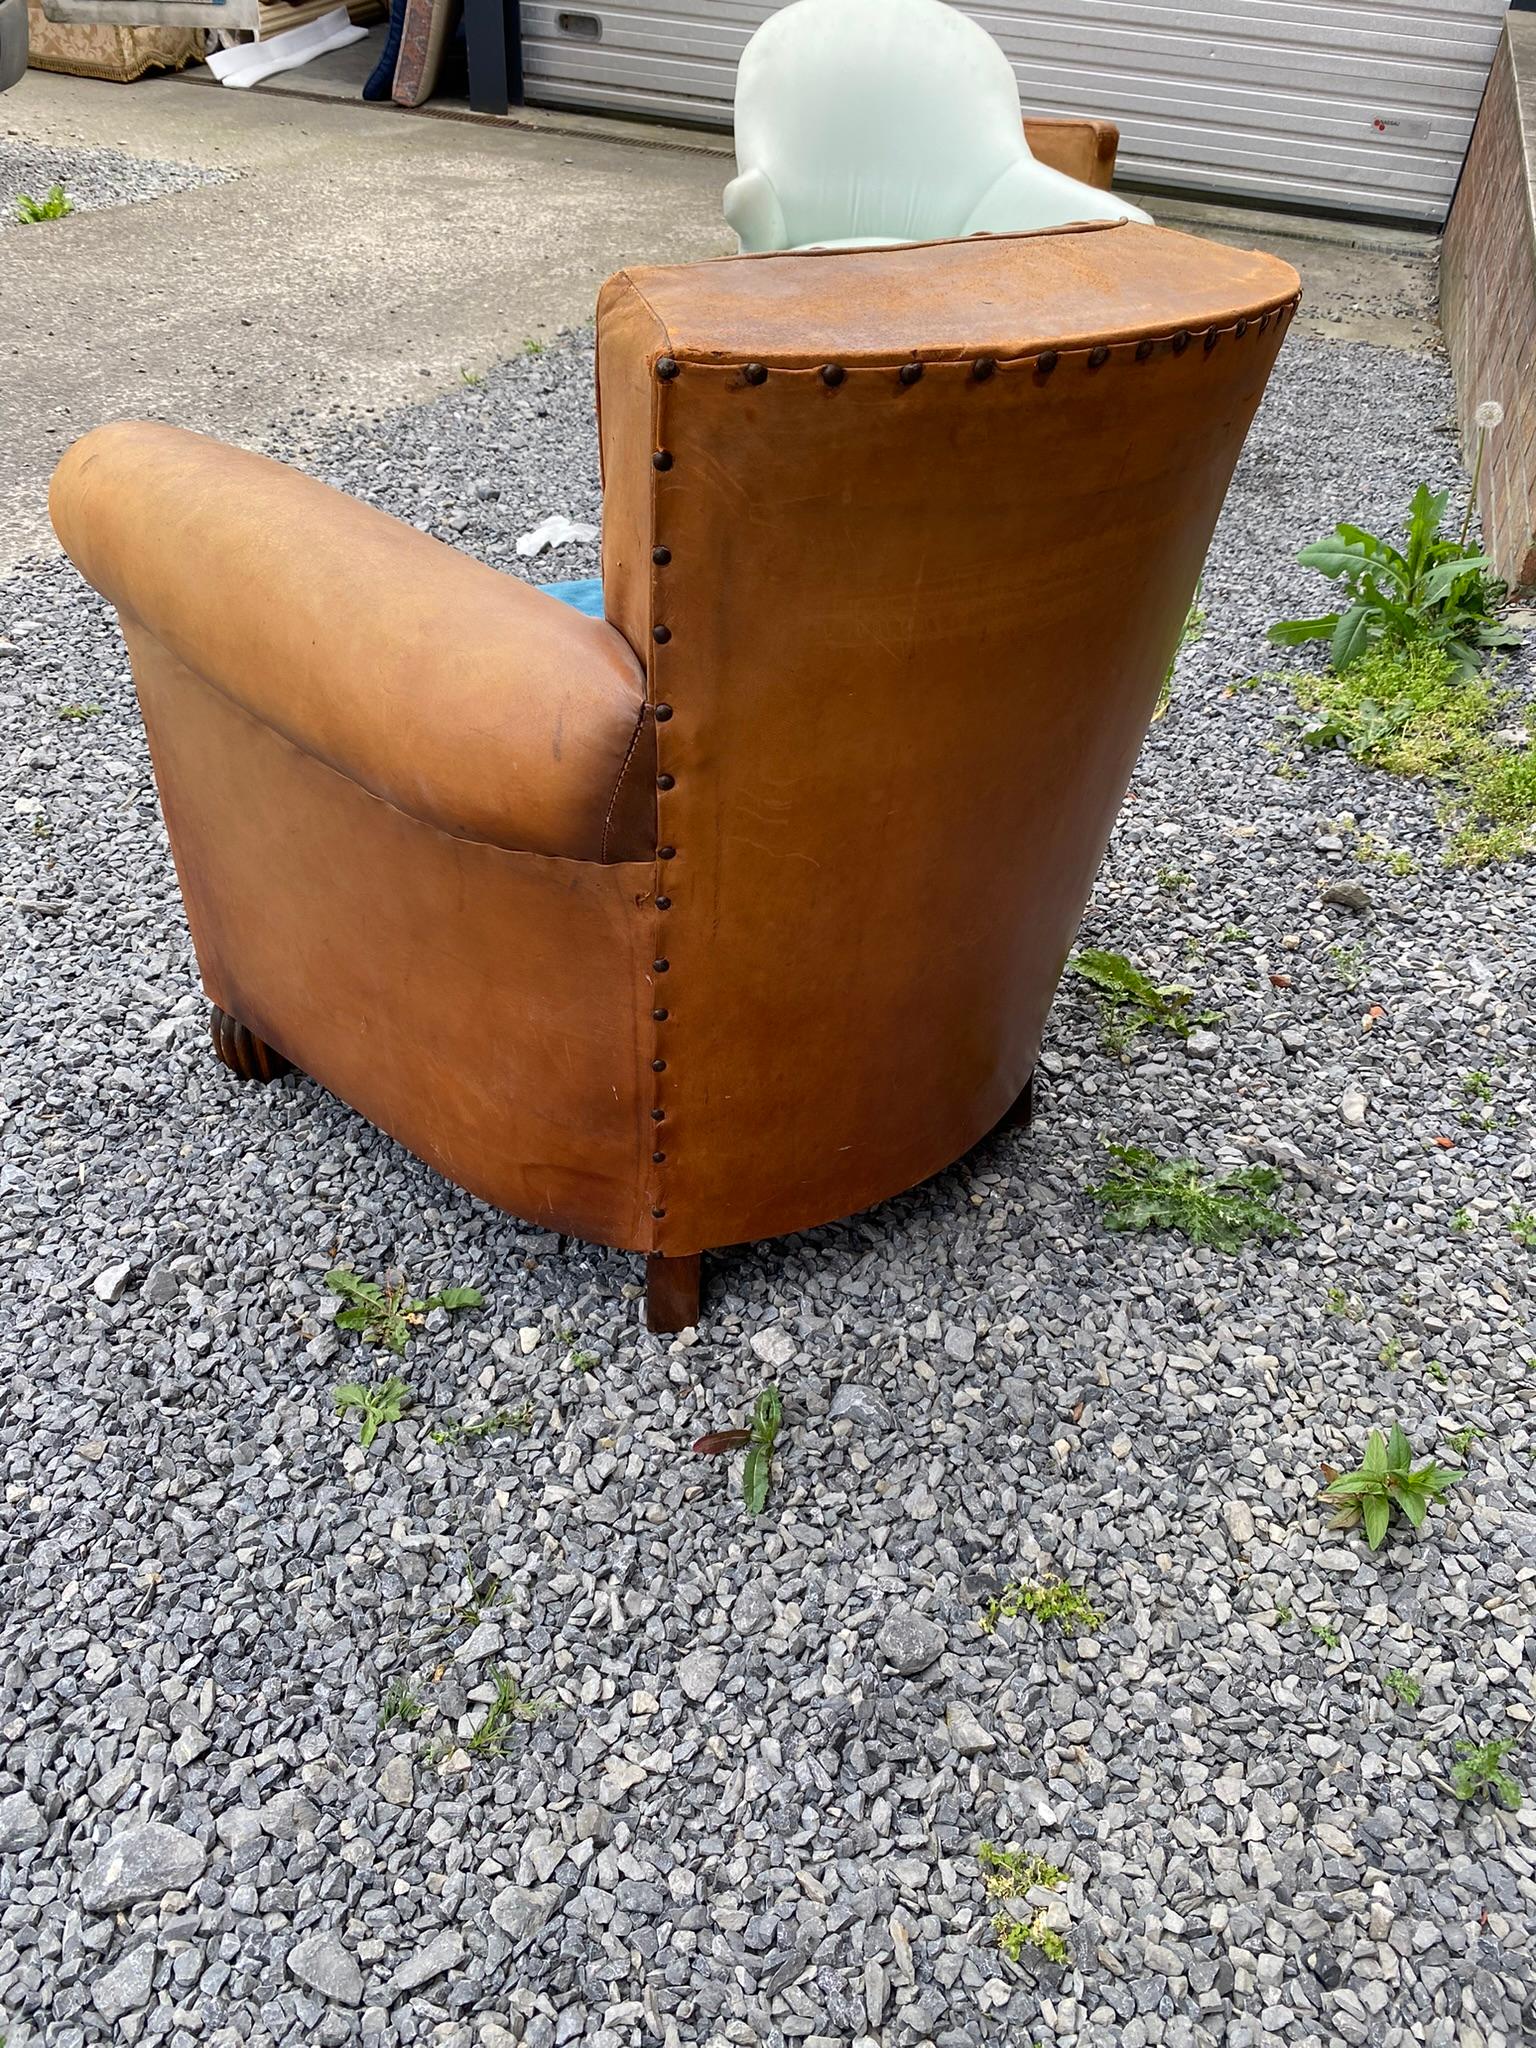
{"x": 1406, "y": 708}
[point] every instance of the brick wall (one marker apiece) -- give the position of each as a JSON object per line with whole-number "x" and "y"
{"x": 1488, "y": 298}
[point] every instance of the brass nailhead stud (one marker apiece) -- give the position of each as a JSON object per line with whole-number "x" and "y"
{"x": 666, "y": 852}
{"x": 832, "y": 374}
{"x": 666, "y": 368}
{"x": 663, "y": 713}
{"x": 658, "y": 1016}
{"x": 911, "y": 373}
{"x": 755, "y": 373}
{"x": 983, "y": 368}
{"x": 1263, "y": 322}
{"x": 1240, "y": 329}
{"x": 658, "y": 1116}
{"x": 662, "y": 459}
{"x": 1143, "y": 350}
{"x": 665, "y": 782}
{"x": 661, "y": 557}
{"x": 658, "y": 1213}
{"x": 1098, "y": 357}
{"x": 661, "y": 635}
{"x": 663, "y": 902}
{"x": 660, "y": 966}
{"x": 657, "y": 1158}
{"x": 1212, "y": 336}
{"x": 1181, "y": 341}
{"x": 1046, "y": 363}
{"x": 658, "y": 1066}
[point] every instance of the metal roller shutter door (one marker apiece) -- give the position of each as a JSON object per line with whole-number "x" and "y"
{"x": 1362, "y": 106}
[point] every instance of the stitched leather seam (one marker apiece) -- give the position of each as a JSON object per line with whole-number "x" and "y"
{"x": 659, "y": 1136}
{"x": 962, "y": 357}
{"x": 629, "y": 755}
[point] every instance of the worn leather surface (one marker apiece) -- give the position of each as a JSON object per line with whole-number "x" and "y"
{"x": 462, "y": 696}
{"x": 1082, "y": 149}
{"x": 916, "y": 633}
{"x": 476, "y": 1003}
{"x": 900, "y": 633}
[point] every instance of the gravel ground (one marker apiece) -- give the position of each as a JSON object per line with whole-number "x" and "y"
{"x": 92, "y": 178}
{"x": 749, "y": 1807}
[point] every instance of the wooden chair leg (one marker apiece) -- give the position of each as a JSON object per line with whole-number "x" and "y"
{"x": 242, "y": 1051}
{"x": 671, "y": 1292}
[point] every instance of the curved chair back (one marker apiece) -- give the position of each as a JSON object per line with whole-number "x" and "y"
{"x": 906, "y": 538}
{"x": 871, "y": 121}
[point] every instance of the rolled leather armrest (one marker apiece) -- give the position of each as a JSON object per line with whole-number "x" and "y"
{"x": 459, "y": 695}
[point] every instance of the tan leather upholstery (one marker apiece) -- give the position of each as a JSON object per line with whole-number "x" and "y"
{"x": 1078, "y": 148}
{"x": 903, "y": 539}
{"x": 461, "y": 696}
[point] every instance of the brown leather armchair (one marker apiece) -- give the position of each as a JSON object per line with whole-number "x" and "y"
{"x": 743, "y": 911}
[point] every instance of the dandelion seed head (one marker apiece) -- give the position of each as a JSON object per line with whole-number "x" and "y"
{"x": 1489, "y": 414}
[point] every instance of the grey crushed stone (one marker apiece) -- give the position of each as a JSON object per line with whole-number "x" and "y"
{"x": 127, "y": 1986}
{"x": 211, "y": 1589}
{"x": 322, "y": 1963}
{"x": 140, "y": 1863}
{"x": 22, "y": 1823}
{"x": 92, "y": 178}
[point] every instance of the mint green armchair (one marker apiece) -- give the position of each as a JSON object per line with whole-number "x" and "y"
{"x": 869, "y": 122}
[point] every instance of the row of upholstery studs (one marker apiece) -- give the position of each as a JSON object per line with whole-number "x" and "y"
{"x": 833, "y": 374}
{"x": 661, "y": 556}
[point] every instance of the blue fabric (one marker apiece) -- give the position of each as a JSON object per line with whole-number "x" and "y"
{"x": 382, "y": 76}
{"x": 584, "y": 595}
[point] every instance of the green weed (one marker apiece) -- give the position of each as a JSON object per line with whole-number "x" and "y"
{"x": 1330, "y": 1637}
{"x": 1403, "y": 1686}
{"x": 757, "y": 1440}
{"x": 1048, "y": 1601}
{"x": 1480, "y": 1768}
{"x": 505, "y": 1419}
{"x": 1011, "y": 1874}
{"x": 54, "y": 207}
{"x": 1522, "y": 1227}
{"x": 508, "y": 1712}
{"x": 1348, "y": 964}
{"x": 1387, "y": 1482}
{"x": 1434, "y": 593}
{"x": 377, "y": 1402}
{"x": 400, "y": 1707}
{"x": 384, "y": 1313}
{"x": 1395, "y": 859}
{"x": 1225, "y": 1210}
{"x": 1131, "y": 1001}
{"x": 76, "y": 714}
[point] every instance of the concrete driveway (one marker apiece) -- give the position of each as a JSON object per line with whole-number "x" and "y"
{"x": 360, "y": 258}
